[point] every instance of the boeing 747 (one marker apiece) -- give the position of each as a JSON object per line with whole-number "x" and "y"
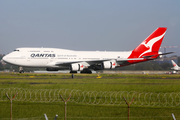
{"x": 54, "y": 59}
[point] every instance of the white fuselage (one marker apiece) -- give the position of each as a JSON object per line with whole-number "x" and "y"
{"x": 49, "y": 57}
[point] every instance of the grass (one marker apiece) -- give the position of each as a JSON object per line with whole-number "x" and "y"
{"x": 84, "y": 82}
{"x": 79, "y": 111}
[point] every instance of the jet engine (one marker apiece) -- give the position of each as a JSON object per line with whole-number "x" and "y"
{"x": 108, "y": 65}
{"x": 76, "y": 67}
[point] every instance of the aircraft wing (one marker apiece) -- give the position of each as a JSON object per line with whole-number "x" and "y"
{"x": 96, "y": 64}
{"x": 96, "y": 61}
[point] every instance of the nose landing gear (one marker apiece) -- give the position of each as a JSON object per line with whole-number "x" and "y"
{"x": 21, "y": 70}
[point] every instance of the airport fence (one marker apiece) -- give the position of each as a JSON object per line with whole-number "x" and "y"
{"x": 92, "y": 97}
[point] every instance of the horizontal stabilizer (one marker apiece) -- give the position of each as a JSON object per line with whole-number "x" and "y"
{"x": 150, "y": 56}
{"x": 166, "y": 53}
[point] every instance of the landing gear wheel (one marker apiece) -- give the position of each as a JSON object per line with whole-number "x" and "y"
{"x": 87, "y": 71}
{"x": 73, "y": 71}
{"x": 21, "y": 70}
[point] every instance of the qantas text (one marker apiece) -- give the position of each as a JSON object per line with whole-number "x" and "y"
{"x": 43, "y": 55}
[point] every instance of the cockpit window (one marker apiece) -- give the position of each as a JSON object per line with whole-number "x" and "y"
{"x": 16, "y": 50}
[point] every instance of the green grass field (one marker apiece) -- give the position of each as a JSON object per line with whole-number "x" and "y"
{"x": 78, "y": 111}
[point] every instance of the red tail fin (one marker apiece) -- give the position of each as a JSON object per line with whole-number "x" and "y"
{"x": 151, "y": 45}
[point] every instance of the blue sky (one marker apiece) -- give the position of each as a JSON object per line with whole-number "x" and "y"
{"x": 113, "y": 25}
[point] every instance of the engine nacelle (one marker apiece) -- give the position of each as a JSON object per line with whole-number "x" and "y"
{"x": 108, "y": 65}
{"x": 76, "y": 67}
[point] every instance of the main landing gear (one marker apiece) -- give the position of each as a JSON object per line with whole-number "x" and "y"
{"x": 21, "y": 70}
{"x": 73, "y": 71}
{"x": 86, "y": 71}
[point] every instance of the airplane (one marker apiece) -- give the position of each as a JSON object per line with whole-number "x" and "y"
{"x": 175, "y": 66}
{"x": 54, "y": 59}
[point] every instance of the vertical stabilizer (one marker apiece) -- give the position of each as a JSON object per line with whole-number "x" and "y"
{"x": 175, "y": 66}
{"x": 151, "y": 45}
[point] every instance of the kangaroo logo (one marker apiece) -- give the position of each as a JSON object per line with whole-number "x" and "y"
{"x": 149, "y": 44}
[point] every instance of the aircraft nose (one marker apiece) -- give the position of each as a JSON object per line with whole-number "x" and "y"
{"x": 7, "y": 59}
{"x": 4, "y": 58}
